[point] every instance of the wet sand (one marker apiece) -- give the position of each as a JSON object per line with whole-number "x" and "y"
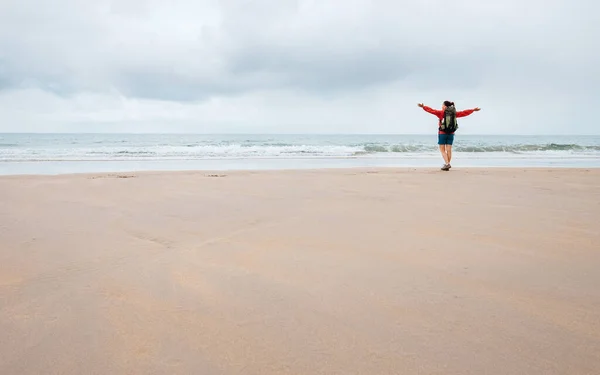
{"x": 367, "y": 271}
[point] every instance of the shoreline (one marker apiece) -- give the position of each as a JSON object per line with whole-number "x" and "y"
{"x": 287, "y": 171}
{"x": 71, "y": 167}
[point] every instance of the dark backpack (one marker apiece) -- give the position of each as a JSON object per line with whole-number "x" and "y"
{"x": 449, "y": 124}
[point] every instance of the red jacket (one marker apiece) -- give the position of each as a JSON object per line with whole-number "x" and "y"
{"x": 440, "y": 115}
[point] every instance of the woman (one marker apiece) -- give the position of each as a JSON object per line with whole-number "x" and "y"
{"x": 445, "y": 139}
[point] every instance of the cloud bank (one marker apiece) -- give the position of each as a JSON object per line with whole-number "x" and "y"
{"x": 297, "y": 66}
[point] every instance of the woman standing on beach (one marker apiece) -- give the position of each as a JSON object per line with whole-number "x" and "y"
{"x": 446, "y": 131}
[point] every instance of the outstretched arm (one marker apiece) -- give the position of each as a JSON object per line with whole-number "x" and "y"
{"x": 435, "y": 112}
{"x": 466, "y": 112}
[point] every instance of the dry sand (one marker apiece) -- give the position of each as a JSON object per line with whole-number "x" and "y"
{"x": 382, "y": 271}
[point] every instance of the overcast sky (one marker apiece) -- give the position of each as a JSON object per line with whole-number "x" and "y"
{"x": 298, "y": 66}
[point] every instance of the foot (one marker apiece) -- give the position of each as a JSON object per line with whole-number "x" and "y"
{"x": 445, "y": 167}
{"x": 449, "y": 166}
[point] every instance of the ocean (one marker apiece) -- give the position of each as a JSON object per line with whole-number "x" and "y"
{"x": 82, "y": 153}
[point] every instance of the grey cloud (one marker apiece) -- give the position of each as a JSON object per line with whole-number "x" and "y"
{"x": 194, "y": 50}
{"x": 7, "y": 80}
{"x": 169, "y": 86}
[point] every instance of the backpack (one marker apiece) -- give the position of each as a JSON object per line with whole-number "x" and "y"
{"x": 449, "y": 124}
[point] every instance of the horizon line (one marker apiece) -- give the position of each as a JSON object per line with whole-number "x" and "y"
{"x": 291, "y": 134}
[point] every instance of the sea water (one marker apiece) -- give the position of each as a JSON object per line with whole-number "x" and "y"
{"x": 73, "y": 153}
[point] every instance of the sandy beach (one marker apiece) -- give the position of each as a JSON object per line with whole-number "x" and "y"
{"x": 356, "y": 271}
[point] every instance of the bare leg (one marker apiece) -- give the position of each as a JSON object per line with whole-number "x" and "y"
{"x": 444, "y": 154}
{"x": 449, "y": 153}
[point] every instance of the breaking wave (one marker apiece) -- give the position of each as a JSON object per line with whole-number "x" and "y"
{"x": 516, "y": 149}
{"x": 195, "y": 147}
